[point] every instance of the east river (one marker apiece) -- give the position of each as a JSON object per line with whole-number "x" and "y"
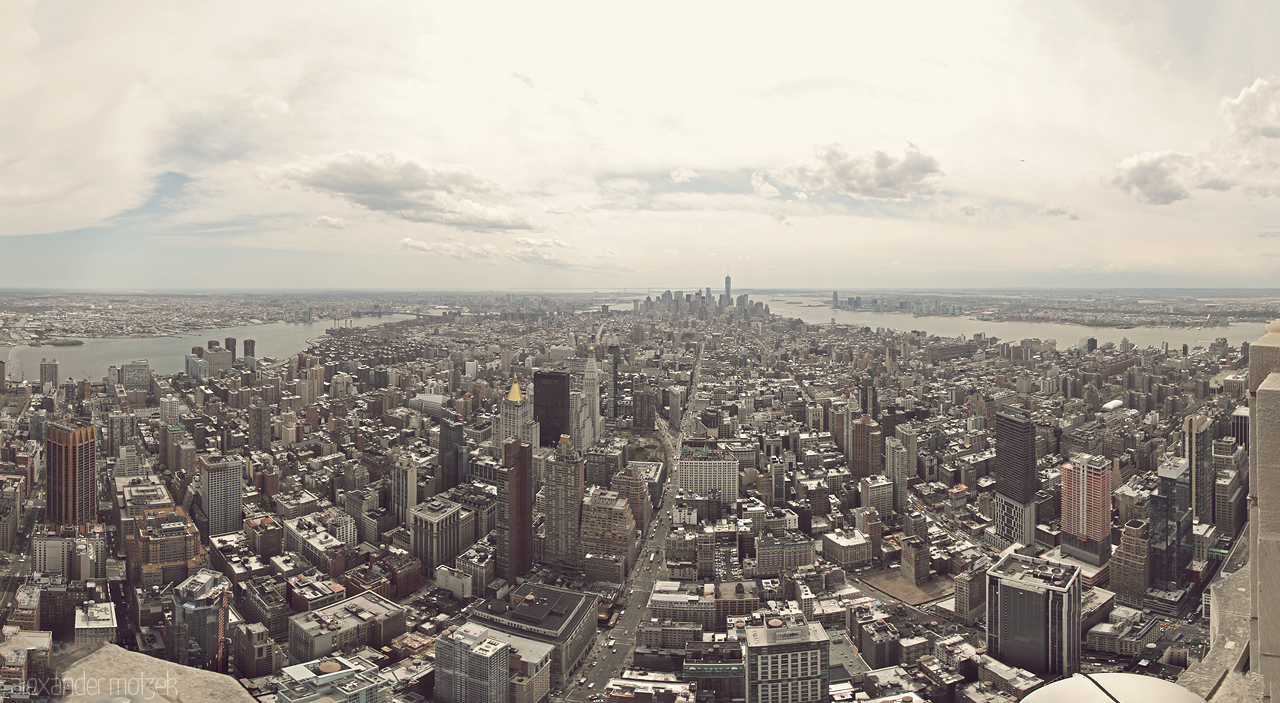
{"x": 167, "y": 355}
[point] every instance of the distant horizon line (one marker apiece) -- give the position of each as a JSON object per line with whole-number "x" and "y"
{"x": 636, "y": 289}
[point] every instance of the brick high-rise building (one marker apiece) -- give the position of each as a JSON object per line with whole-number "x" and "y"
{"x": 71, "y": 468}
{"x": 1086, "y": 508}
{"x": 515, "y": 510}
{"x": 866, "y": 448}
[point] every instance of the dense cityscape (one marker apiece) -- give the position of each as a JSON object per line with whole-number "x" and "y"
{"x": 689, "y": 496}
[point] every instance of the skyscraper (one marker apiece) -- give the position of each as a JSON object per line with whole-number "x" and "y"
{"x": 222, "y": 488}
{"x": 452, "y": 444}
{"x": 1130, "y": 572}
{"x": 1198, "y": 446}
{"x": 1033, "y": 615}
{"x": 562, "y": 495}
{"x": 1170, "y": 526}
{"x": 1016, "y": 480}
{"x": 728, "y": 290}
{"x": 471, "y": 666}
{"x": 200, "y": 607}
{"x": 260, "y": 430}
{"x": 48, "y": 372}
{"x": 71, "y": 468}
{"x": 551, "y": 405}
{"x": 1086, "y": 508}
{"x": 788, "y": 659}
{"x": 866, "y": 448}
{"x": 1264, "y": 508}
{"x": 250, "y": 348}
{"x": 515, "y": 417}
{"x": 608, "y": 527}
{"x": 515, "y": 510}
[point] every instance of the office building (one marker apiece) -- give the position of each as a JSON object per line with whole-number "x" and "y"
{"x": 366, "y": 620}
{"x": 201, "y": 605}
{"x": 900, "y": 469}
{"x": 728, "y": 290}
{"x": 1264, "y": 508}
{"x": 406, "y": 471}
{"x": 136, "y": 375}
{"x": 709, "y": 473}
{"x": 866, "y": 448}
{"x": 559, "y": 617}
{"x": 471, "y": 666}
{"x": 71, "y": 469}
{"x": 915, "y": 560}
{"x": 551, "y": 406}
{"x": 1016, "y": 479}
{"x": 452, "y": 450}
{"x": 1130, "y": 570}
{"x": 332, "y": 680}
{"x": 1086, "y": 508}
{"x": 261, "y": 432}
{"x": 163, "y": 546}
{"x": 48, "y": 373}
{"x": 1170, "y": 525}
{"x": 222, "y": 490}
{"x": 515, "y": 510}
{"x": 562, "y": 504}
{"x": 1198, "y": 450}
{"x": 788, "y": 660}
{"x": 515, "y": 417}
{"x": 435, "y": 527}
{"x": 1033, "y": 615}
{"x": 608, "y": 528}
{"x": 250, "y": 348}
{"x": 170, "y": 409}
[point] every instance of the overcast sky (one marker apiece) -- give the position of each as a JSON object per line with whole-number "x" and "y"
{"x": 601, "y": 145}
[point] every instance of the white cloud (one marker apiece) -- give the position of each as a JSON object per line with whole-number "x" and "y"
{"x": 589, "y": 99}
{"x": 528, "y": 82}
{"x": 406, "y": 189}
{"x": 683, "y": 175}
{"x": 762, "y": 187}
{"x": 454, "y": 248}
{"x": 1060, "y": 211}
{"x": 970, "y": 210}
{"x": 877, "y": 176}
{"x": 1159, "y": 178}
{"x": 326, "y": 221}
{"x": 548, "y": 242}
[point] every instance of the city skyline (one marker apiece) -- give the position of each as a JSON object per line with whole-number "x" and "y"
{"x": 446, "y": 149}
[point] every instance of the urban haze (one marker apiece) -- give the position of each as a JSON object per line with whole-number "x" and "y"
{"x": 676, "y": 353}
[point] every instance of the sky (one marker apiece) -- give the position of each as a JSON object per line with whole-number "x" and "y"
{"x": 505, "y": 146}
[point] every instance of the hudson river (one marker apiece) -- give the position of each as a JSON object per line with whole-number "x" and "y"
{"x": 167, "y": 355}
{"x": 1015, "y": 331}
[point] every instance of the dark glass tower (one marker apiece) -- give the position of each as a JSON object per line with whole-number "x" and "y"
{"x": 551, "y": 405}
{"x": 452, "y": 444}
{"x": 1016, "y": 455}
{"x": 1170, "y": 525}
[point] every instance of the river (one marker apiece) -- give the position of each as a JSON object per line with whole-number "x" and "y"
{"x": 167, "y": 355}
{"x": 1013, "y": 331}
